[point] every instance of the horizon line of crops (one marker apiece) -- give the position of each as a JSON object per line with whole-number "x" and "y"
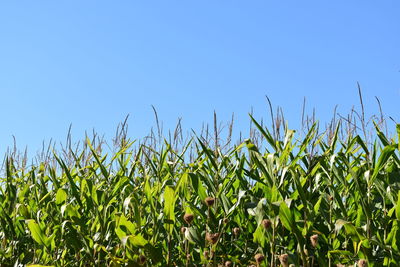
{"x": 275, "y": 199}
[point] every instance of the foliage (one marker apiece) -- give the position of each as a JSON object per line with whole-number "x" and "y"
{"x": 321, "y": 202}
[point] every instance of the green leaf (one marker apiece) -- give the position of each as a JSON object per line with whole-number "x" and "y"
{"x": 138, "y": 240}
{"x": 398, "y": 135}
{"x": 286, "y": 216}
{"x": 98, "y": 160}
{"x": 36, "y": 233}
{"x": 61, "y": 196}
{"x": 383, "y": 158}
{"x": 169, "y": 203}
{"x": 398, "y": 206}
{"x": 259, "y": 236}
{"x": 317, "y": 205}
{"x": 350, "y": 229}
{"x": 71, "y": 181}
{"x": 210, "y": 157}
{"x": 192, "y": 235}
{"x": 198, "y": 186}
{"x": 169, "y": 207}
{"x": 340, "y": 252}
{"x": 264, "y": 132}
{"x": 124, "y": 227}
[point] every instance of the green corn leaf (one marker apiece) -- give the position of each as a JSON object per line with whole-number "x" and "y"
{"x": 169, "y": 205}
{"x": 383, "y": 158}
{"x": 74, "y": 187}
{"x": 398, "y": 206}
{"x": 36, "y": 232}
{"x": 61, "y": 196}
{"x": 286, "y": 216}
{"x": 124, "y": 227}
{"x": 267, "y": 135}
{"x": 137, "y": 241}
{"x": 398, "y": 136}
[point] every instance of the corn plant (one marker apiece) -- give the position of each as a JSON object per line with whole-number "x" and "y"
{"x": 307, "y": 201}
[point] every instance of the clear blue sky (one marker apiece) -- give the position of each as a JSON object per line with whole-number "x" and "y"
{"x": 90, "y": 63}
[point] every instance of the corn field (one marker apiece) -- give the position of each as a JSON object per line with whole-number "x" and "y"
{"x": 316, "y": 199}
